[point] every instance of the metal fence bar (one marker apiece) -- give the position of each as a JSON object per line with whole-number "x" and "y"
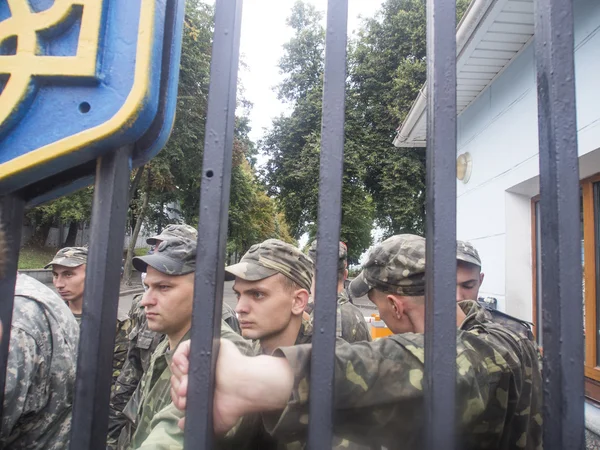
{"x": 440, "y": 309}
{"x": 322, "y": 370}
{"x": 212, "y": 226}
{"x": 11, "y": 214}
{"x": 100, "y": 301}
{"x": 560, "y": 226}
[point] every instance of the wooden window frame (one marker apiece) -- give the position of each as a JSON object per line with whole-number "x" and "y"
{"x": 592, "y": 363}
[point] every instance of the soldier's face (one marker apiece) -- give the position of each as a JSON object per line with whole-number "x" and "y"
{"x": 69, "y": 281}
{"x": 266, "y": 307}
{"x": 168, "y": 301}
{"x": 468, "y": 281}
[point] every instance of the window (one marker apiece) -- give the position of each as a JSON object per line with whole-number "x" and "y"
{"x": 590, "y": 259}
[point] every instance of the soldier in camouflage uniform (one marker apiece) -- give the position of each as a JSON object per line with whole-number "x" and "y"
{"x": 378, "y": 385}
{"x": 68, "y": 276}
{"x": 40, "y": 380}
{"x": 469, "y": 276}
{"x": 351, "y": 325}
{"x": 143, "y": 342}
{"x": 168, "y": 309}
{"x": 272, "y": 285}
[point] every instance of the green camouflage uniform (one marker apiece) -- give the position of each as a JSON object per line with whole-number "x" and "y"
{"x": 174, "y": 256}
{"x": 40, "y": 379}
{"x": 75, "y": 257}
{"x": 261, "y": 261}
{"x": 142, "y": 343}
{"x": 153, "y": 392}
{"x": 378, "y": 385}
{"x": 350, "y": 322}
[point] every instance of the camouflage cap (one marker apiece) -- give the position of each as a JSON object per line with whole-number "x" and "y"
{"x": 342, "y": 255}
{"x": 269, "y": 258}
{"x": 397, "y": 265}
{"x": 173, "y": 256}
{"x": 69, "y": 257}
{"x": 175, "y": 231}
{"x": 467, "y": 253}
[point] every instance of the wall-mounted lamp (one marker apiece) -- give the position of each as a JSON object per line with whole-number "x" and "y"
{"x": 464, "y": 165}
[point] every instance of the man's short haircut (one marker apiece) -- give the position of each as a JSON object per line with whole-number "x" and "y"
{"x": 289, "y": 284}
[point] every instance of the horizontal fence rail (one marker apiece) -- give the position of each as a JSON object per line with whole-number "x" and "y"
{"x": 560, "y": 227}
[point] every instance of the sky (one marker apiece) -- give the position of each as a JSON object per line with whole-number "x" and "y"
{"x": 264, "y": 32}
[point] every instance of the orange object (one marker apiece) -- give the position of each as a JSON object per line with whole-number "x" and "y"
{"x": 379, "y": 329}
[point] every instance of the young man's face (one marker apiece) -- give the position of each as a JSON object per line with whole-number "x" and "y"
{"x": 265, "y": 307}
{"x": 468, "y": 281}
{"x": 168, "y": 301}
{"x": 69, "y": 281}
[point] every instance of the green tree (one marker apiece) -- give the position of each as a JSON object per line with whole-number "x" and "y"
{"x": 74, "y": 209}
{"x": 293, "y": 142}
{"x": 387, "y": 69}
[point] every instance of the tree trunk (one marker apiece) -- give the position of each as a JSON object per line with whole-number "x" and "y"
{"x": 136, "y": 231}
{"x": 72, "y": 234}
{"x": 40, "y": 235}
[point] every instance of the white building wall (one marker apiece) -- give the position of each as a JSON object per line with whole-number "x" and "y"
{"x": 499, "y": 130}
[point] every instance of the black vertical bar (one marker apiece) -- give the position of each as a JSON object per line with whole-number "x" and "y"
{"x": 11, "y": 220}
{"x": 100, "y": 301}
{"x": 440, "y": 304}
{"x": 322, "y": 370}
{"x": 562, "y": 324}
{"x": 212, "y": 226}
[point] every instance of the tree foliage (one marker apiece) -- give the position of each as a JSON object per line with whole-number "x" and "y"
{"x": 386, "y": 69}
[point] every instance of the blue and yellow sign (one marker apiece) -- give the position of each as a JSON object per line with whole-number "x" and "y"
{"x": 79, "y": 78}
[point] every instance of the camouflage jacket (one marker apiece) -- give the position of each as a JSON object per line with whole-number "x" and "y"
{"x": 141, "y": 344}
{"x": 153, "y": 393}
{"x": 249, "y": 434}
{"x": 350, "y": 322}
{"x": 304, "y": 337}
{"x": 378, "y": 388}
{"x": 40, "y": 379}
{"x": 121, "y": 341}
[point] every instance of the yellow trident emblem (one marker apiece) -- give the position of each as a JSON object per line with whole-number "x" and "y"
{"x": 28, "y": 54}
{"x": 24, "y": 26}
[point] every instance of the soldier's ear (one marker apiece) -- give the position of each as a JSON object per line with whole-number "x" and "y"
{"x": 300, "y": 301}
{"x": 396, "y": 304}
{"x": 481, "y": 275}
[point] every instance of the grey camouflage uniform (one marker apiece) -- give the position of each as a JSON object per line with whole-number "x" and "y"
{"x": 40, "y": 379}
{"x": 378, "y": 385}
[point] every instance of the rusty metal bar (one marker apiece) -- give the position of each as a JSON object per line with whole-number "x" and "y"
{"x": 560, "y": 227}
{"x": 100, "y": 301}
{"x": 440, "y": 309}
{"x": 329, "y": 219}
{"x": 212, "y": 226}
{"x": 12, "y": 210}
